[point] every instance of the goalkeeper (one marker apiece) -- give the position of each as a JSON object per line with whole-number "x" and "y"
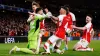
{"x": 33, "y": 34}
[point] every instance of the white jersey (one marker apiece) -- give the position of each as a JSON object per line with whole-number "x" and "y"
{"x": 61, "y": 17}
{"x": 73, "y": 16}
{"x": 49, "y": 14}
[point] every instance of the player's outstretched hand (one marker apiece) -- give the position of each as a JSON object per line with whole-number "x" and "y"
{"x": 74, "y": 26}
{"x": 30, "y": 13}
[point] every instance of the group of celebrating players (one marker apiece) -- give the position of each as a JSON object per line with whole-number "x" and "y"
{"x": 65, "y": 22}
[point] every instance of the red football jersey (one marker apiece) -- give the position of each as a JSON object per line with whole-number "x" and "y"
{"x": 42, "y": 24}
{"x": 87, "y": 32}
{"x": 66, "y": 22}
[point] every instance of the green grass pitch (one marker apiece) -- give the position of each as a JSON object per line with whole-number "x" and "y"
{"x": 4, "y": 50}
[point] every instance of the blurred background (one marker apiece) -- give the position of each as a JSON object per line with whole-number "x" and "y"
{"x": 14, "y": 14}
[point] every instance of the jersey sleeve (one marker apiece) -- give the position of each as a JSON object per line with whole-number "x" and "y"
{"x": 49, "y": 13}
{"x": 60, "y": 17}
{"x": 73, "y": 17}
{"x": 30, "y": 18}
{"x": 40, "y": 17}
{"x": 88, "y": 25}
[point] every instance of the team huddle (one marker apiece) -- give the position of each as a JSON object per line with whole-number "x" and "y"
{"x": 65, "y": 24}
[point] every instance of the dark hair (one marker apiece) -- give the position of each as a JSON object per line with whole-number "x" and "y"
{"x": 64, "y": 7}
{"x": 89, "y": 15}
{"x": 38, "y": 9}
{"x": 35, "y": 3}
{"x": 68, "y": 7}
{"x": 46, "y": 7}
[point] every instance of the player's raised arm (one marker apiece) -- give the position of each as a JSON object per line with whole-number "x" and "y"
{"x": 31, "y": 17}
{"x": 55, "y": 18}
{"x": 48, "y": 12}
{"x": 40, "y": 15}
{"x": 80, "y": 28}
{"x": 30, "y": 13}
{"x": 55, "y": 21}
